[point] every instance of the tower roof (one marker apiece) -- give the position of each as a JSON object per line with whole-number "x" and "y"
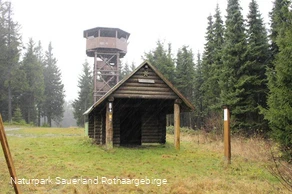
{"x": 106, "y": 32}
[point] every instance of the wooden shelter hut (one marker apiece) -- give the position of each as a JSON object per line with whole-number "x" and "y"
{"x": 134, "y": 111}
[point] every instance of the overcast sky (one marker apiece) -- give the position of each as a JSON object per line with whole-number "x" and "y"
{"x": 62, "y": 22}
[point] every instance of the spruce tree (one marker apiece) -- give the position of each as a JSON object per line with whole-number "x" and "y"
{"x": 162, "y": 60}
{"x": 258, "y": 58}
{"x": 3, "y": 65}
{"x": 54, "y": 89}
{"x": 126, "y": 70}
{"x": 279, "y": 111}
{"x": 278, "y": 19}
{"x": 218, "y": 40}
{"x": 212, "y": 65}
{"x": 85, "y": 99}
{"x": 34, "y": 81}
{"x": 207, "y": 70}
{"x": 40, "y": 58}
{"x": 234, "y": 72}
{"x": 198, "y": 95}
{"x": 185, "y": 71}
{"x": 9, "y": 56}
{"x": 17, "y": 116}
{"x": 185, "y": 78}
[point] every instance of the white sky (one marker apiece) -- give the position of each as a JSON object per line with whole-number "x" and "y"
{"x": 62, "y": 22}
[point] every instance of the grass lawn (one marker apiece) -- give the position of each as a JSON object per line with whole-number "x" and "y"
{"x": 64, "y": 155}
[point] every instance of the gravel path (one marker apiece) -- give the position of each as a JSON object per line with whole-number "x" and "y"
{"x": 11, "y": 129}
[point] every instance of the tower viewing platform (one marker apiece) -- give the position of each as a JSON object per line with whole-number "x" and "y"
{"x": 106, "y": 40}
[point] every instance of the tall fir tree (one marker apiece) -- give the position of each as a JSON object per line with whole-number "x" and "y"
{"x": 198, "y": 95}
{"x": 184, "y": 81}
{"x": 9, "y": 56}
{"x": 278, "y": 19}
{"x": 279, "y": 111}
{"x": 218, "y": 31}
{"x": 40, "y": 59}
{"x": 126, "y": 70}
{"x": 162, "y": 60}
{"x": 54, "y": 89}
{"x": 234, "y": 71}
{"x": 207, "y": 71}
{"x": 258, "y": 58}
{"x": 34, "y": 92}
{"x": 185, "y": 71}
{"x": 85, "y": 98}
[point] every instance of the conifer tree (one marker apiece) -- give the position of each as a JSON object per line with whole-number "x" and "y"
{"x": 126, "y": 70}
{"x": 257, "y": 61}
{"x": 218, "y": 31}
{"x": 279, "y": 101}
{"x": 34, "y": 92}
{"x": 162, "y": 60}
{"x": 17, "y": 116}
{"x": 85, "y": 98}
{"x": 9, "y": 56}
{"x": 278, "y": 19}
{"x": 207, "y": 70}
{"x": 54, "y": 89}
{"x": 40, "y": 59}
{"x": 185, "y": 71}
{"x": 198, "y": 95}
{"x": 234, "y": 71}
{"x": 185, "y": 78}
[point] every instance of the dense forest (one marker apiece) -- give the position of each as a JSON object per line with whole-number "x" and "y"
{"x": 245, "y": 65}
{"x": 31, "y": 88}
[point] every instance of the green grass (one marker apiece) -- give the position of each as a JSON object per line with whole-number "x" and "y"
{"x": 40, "y": 153}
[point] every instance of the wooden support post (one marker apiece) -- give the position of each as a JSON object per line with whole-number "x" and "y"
{"x": 95, "y": 77}
{"x": 118, "y": 67}
{"x": 109, "y": 124}
{"x": 227, "y": 145}
{"x": 8, "y": 157}
{"x": 177, "y": 124}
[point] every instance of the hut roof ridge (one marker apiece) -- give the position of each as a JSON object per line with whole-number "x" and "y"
{"x": 174, "y": 89}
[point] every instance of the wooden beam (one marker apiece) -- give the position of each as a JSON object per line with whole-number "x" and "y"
{"x": 144, "y": 96}
{"x": 94, "y": 75}
{"x": 227, "y": 144}
{"x": 8, "y": 157}
{"x": 177, "y": 124}
{"x": 109, "y": 125}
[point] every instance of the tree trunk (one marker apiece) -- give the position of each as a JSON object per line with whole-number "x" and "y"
{"x": 39, "y": 116}
{"x": 9, "y": 104}
{"x": 50, "y": 121}
{"x": 190, "y": 120}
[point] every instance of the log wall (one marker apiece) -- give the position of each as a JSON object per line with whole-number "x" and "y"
{"x": 145, "y": 84}
{"x": 97, "y": 128}
{"x": 90, "y": 126}
{"x": 116, "y": 119}
{"x": 153, "y": 127}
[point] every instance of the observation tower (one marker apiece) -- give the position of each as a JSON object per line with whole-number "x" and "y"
{"x": 107, "y": 46}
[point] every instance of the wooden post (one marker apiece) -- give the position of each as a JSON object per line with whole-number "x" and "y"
{"x": 109, "y": 124}
{"x": 227, "y": 145}
{"x": 177, "y": 124}
{"x": 94, "y": 76}
{"x": 8, "y": 157}
{"x": 118, "y": 67}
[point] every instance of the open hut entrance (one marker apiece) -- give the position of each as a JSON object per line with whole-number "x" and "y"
{"x": 131, "y": 124}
